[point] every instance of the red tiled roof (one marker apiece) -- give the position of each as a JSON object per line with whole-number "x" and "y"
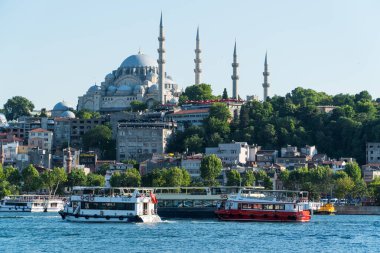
{"x": 191, "y": 111}
{"x": 39, "y": 130}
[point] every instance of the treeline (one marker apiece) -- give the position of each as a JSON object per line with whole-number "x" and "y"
{"x": 51, "y": 182}
{"x": 293, "y": 119}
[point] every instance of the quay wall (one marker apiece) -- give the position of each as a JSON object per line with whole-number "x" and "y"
{"x": 358, "y": 210}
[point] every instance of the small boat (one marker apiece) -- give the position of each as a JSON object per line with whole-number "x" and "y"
{"x": 31, "y": 203}
{"x": 262, "y": 205}
{"x": 327, "y": 208}
{"x": 98, "y": 204}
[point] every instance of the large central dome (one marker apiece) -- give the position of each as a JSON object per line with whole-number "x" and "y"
{"x": 139, "y": 60}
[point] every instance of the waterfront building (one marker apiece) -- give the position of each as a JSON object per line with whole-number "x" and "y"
{"x": 230, "y": 153}
{"x": 136, "y": 140}
{"x": 370, "y": 172}
{"x": 266, "y": 157}
{"x": 139, "y": 78}
{"x": 373, "y": 152}
{"x": 187, "y": 118}
{"x": 40, "y": 138}
{"x": 192, "y": 163}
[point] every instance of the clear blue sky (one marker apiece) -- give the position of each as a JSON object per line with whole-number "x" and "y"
{"x": 55, "y": 50}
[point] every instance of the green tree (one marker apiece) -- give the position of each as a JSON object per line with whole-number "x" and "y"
{"x": 175, "y": 177}
{"x": 100, "y": 138}
{"x": 158, "y": 177}
{"x": 233, "y": 178}
{"x": 225, "y": 95}
{"x": 52, "y": 179}
{"x": 7, "y": 189}
{"x": 211, "y": 167}
{"x": 102, "y": 170}
{"x": 343, "y": 186}
{"x": 18, "y": 106}
{"x": 76, "y": 177}
{"x": 130, "y": 178}
{"x": 249, "y": 178}
{"x": 353, "y": 171}
{"x": 194, "y": 143}
{"x": 138, "y": 106}
{"x": 86, "y": 114}
{"x": 95, "y": 180}
{"x": 197, "y": 92}
{"x": 31, "y": 179}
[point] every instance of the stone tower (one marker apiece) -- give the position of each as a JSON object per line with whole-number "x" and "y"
{"x": 161, "y": 64}
{"x": 69, "y": 160}
{"x": 197, "y": 60}
{"x": 266, "y": 74}
{"x": 235, "y": 76}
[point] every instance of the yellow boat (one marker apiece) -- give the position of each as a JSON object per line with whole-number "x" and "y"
{"x": 326, "y": 209}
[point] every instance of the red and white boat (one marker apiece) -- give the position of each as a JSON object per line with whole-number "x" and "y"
{"x": 262, "y": 205}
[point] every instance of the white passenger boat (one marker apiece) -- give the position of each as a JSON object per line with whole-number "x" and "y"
{"x": 98, "y": 204}
{"x": 31, "y": 203}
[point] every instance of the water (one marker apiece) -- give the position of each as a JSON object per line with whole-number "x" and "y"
{"x": 46, "y": 232}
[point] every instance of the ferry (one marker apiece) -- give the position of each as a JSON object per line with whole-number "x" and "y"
{"x": 99, "y": 204}
{"x": 262, "y": 205}
{"x": 31, "y": 203}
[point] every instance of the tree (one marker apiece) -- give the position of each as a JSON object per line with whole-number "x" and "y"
{"x": 233, "y": 178}
{"x": 343, "y": 186}
{"x": 31, "y": 179}
{"x": 52, "y": 179}
{"x": 100, "y": 138}
{"x": 194, "y": 143}
{"x": 211, "y": 167}
{"x": 249, "y": 178}
{"x": 102, "y": 170}
{"x": 18, "y": 106}
{"x": 220, "y": 111}
{"x": 175, "y": 177}
{"x": 130, "y": 178}
{"x": 86, "y": 114}
{"x": 95, "y": 180}
{"x": 225, "y": 95}
{"x": 77, "y": 177}
{"x": 353, "y": 171}
{"x": 138, "y": 106}
{"x": 197, "y": 92}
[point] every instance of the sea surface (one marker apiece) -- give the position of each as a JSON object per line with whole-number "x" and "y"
{"x": 47, "y": 232}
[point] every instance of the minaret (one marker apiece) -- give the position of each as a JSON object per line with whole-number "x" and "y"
{"x": 265, "y": 74}
{"x": 69, "y": 160}
{"x": 235, "y": 76}
{"x": 161, "y": 64}
{"x": 197, "y": 60}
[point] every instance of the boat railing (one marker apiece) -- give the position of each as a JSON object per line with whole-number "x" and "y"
{"x": 29, "y": 198}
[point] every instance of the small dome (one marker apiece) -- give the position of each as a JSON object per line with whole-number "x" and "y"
{"x": 62, "y": 106}
{"x": 153, "y": 88}
{"x": 68, "y": 114}
{"x": 139, "y": 60}
{"x": 109, "y": 77}
{"x": 93, "y": 89}
{"x": 139, "y": 89}
{"x": 124, "y": 89}
{"x": 111, "y": 88}
{"x": 173, "y": 101}
{"x": 169, "y": 80}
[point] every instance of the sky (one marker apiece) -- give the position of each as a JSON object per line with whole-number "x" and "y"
{"x": 52, "y": 51}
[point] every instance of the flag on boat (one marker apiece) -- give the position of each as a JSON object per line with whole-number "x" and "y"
{"x": 153, "y": 197}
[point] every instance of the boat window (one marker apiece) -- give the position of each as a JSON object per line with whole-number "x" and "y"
{"x": 279, "y": 207}
{"x": 267, "y": 207}
{"x": 257, "y": 206}
{"x": 107, "y": 206}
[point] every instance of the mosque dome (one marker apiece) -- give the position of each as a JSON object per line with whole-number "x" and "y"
{"x": 153, "y": 88}
{"x": 169, "y": 80}
{"x": 109, "y": 77}
{"x": 124, "y": 89}
{"x": 139, "y": 89}
{"x": 173, "y": 101}
{"x": 62, "y": 106}
{"x": 68, "y": 114}
{"x": 93, "y": 89}
{"x": 111, "y": 88}
{"x": 139, "y": 60}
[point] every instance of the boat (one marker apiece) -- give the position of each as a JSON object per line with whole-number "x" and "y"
{"x": 262, "y": 205}
{"x": 327, "y": 208}
{"x": 99, "y": 204}
{"x": 31, "y": 203}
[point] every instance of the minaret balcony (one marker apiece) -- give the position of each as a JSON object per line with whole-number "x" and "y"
{"x": 198, "y": 51}
{"x": 161, "y": 38}
{"x": 235, "y": 65}
{"x": 197, "y": 60}
{"x": 161, "y": 50}
{"x": 235, "y": 77}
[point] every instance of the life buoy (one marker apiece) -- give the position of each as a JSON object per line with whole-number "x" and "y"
{"x": 96, "y": 216}
{"x": 107, "y": 217}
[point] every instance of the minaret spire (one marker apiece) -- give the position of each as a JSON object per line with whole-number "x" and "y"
{"x": 197, "y": 60}
{"x": 161, "y": 63}
{"x": 266, "y": 74}
{"x": 235, "y": 76}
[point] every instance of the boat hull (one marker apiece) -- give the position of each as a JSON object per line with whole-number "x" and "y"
{"x": 237, "y": 215}
{"x": 109, "y": 219}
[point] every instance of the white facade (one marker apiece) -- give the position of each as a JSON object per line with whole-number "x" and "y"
{"x": 309, "y": 151}
{"x": 373, "y": 152}
{"x": 40, "y": 138}
{"x": 10, "y": 152}
{"x": 231, "y": 153}
{"x": 192, "y": 164}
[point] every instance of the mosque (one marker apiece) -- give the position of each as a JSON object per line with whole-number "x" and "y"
{"x": 142, "y": 78}
{"x": 139, "y": 78}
